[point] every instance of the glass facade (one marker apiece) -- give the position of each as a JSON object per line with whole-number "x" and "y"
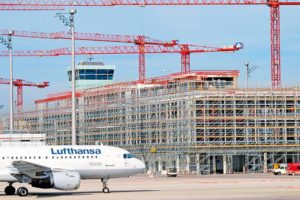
{"x": 92, "y": 74}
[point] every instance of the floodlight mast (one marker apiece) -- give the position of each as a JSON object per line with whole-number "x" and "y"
{"x": 11, "y": 86}
{"x": 8, "y": 43}
{"x": 69, "y": 22}
{"x": 249, "y": 70}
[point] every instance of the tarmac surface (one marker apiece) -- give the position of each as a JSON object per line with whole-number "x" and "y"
{"x": 187, "y": 187}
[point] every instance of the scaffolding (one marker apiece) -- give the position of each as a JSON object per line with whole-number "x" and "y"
{"x": 199, "y": 122}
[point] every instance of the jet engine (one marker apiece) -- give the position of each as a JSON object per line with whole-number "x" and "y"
{"x": 66, "y": 180}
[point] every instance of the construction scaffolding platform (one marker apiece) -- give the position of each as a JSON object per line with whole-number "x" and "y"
{"x": 199, "y": 122}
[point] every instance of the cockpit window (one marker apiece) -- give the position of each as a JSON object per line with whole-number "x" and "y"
{"x": 127, "y": 156}
{"x": 130, "y": 156}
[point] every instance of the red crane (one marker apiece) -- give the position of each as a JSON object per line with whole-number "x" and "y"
{"x": 139, "y": 40}
{"x": 19, "y": 83}
{"x": 28, "y": 8}
{"x": 184, "y": 49}
{"x": 273, "y": 4}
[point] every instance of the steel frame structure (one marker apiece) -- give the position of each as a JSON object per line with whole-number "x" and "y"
{"x": 193, "y": 121}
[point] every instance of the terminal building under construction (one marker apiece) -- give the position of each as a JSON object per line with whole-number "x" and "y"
{"x": 199, "y": 122}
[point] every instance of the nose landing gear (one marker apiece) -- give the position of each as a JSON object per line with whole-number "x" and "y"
{"x": 104, "y": 183}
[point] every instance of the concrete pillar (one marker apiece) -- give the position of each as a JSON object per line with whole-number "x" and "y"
{"x": 224, "y": 164}
{"x": 152, "y": 165}
{"x": 265, "y": 163}
{"x": 159, "y": 164}
{"x": 178, "y": 163}
{"x": 187, "y": 167}
{"x": 143, "y": 159}
{"x": 214, "y": 164}
{"x": 198, "y": 164}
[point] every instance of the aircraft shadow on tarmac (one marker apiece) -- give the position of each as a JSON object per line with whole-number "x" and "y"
{"x": 54, "y": 194}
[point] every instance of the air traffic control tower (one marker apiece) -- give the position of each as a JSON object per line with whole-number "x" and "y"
{"x": 92, "y": 74}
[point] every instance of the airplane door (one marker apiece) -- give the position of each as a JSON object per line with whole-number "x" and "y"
{"x": 110, "y": 159}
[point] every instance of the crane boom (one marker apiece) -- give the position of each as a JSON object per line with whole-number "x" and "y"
{"x": 133, "y": 2}
{"x": 99, "y": 37}
{"x": 29, "y": 8}
{"x": 184, "y": 49}
{"x": 149, "y": 49}
{"x": 145, "y": 2}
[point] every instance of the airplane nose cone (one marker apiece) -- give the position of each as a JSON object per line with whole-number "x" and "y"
{"x": 140, "y": 166}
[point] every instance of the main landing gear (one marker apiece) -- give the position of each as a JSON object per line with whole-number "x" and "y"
{"x": 22, "y": 192}
{"x": 104, "y": 183}
{"x": 10, "y": 190}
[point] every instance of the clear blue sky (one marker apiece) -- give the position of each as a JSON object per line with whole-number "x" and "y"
{"x": 210, "y": 25}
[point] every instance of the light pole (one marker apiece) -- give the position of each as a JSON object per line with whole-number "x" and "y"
{"x": 69, "y": 22}
{"x": 249, "y": 70}
{"x": 8, "y": 43}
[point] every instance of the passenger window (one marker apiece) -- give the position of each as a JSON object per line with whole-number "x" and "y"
{"x": 125, "y": 156}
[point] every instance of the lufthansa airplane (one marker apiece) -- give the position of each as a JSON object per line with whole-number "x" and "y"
{"x": 62, "y": 167}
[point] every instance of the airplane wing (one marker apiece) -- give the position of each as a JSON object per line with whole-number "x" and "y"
{"x": 30, "y": 169}
{"x": 33, "y": 170}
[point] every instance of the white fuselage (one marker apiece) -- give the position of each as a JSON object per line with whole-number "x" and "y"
{"x": 91, "y": 162}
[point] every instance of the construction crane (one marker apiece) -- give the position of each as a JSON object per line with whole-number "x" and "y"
{"x": 19, "y": 83}
{"x": 139, "y": 40}
{"x": 184, "y": 49}
{"x": 28, "y": 8}
{"x": 273, "y": 4}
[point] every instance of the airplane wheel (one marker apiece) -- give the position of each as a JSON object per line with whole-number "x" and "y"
{"x": 22, "y": 192}
{"x": 105, "y": 190}
{"x": 10, "y": 190}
